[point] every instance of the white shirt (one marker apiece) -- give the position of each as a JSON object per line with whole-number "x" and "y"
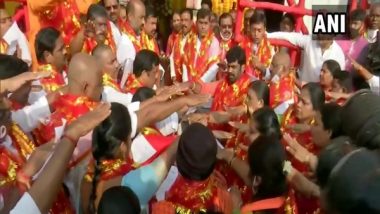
{"x": 125, "y": 55}
{"x": 26, "y": 205}
{"x": 213, "y": 51}
{"x": 111, "y": 95}
{"x": 168, "y": 125}
{"x": 14, "y": 36}
{"x": 312, "y": 58}
{"x": 374, "y": 84}
{"x": 35, "y": 95}
{"x": 30, "y": 116}
{"x": 372, "y": 35}
{"x": 116, "y": 34}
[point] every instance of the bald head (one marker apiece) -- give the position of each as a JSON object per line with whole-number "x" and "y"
{"x": 101, "y": 49}
{"x": 136, "y": 14}
{"x": 85, "y": 76}
{"x": 280, "y": 64}
{"x": 107, "y": 60}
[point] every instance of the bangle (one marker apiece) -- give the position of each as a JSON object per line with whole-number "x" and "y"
{"x": 71, "y": 139}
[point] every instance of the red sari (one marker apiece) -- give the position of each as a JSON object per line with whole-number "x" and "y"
{"x": 304, "y": 204}
{"x": 194, "y": 196}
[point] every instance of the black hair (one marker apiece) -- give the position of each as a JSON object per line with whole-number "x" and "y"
{"x": 358, "y": 15}
{"x": 258, "y": 17}
{"x": 188, "y": 11}
{"x": 345, "y": 81}
{"x": 203, "y": 13}
{"x": 145, "y": 60}
{"x": 266, "y": 156}
{"x": 333, "y": 66}
{"x": 96, "y": 10}
{"x": 290, "y": 17}
{"x": 208, "y": 2}
{"x": 11, "y": 66}
{"x": 354, "y": 186}
{"x": 142, "y": 94}
{"x": 317, "y": 95}
{"x": 236, "y": 53}
{"x": 331, "y": 119}
{"x": 119, "y": 200}
{"x": 225, "y": 16}
{"x": 261, "y": 89}
{"x": 329, "y": 157}
{"x": 267, "y": 122}
{"x": 106, "y": 138}
{"x": 150, "y": 12}
{"x": 46, "y": 40}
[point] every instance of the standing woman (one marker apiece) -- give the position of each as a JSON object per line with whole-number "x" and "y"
{"x": 303, "y": 114}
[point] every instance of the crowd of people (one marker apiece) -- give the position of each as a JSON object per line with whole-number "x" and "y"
{"x": 97, "y": 117}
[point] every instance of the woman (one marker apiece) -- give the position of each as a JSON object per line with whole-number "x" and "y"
{"x": 112, "y": 165}
{"x": 303, "y": 113}
{"x": 266, "y": 157}
{"x": 328, "y": 71}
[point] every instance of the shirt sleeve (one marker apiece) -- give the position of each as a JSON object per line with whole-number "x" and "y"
{"x": 145, "y": 180}
{"x": 26, "y": 203}
{"x": 111, "y": 95}
{"x": 213, "y": 69}
{"x": 15, "y": 37}
{"x": 296, "y": 39}
{"x": 30, "y": 116}
{"x": 115, "y": 33}
{"x": 374, "y": 84}
{"x": 125, "y": 50}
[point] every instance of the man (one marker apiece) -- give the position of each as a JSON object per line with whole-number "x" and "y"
{"x": 226, "y": 35}
{"x": 374, "y": 23}
{"x": 195, "y": 177}
{"x": 206, "y": 4}
{"x": 43, "y": 13}
{"x": 51, "y": 56}
{"x": 176, "y": 29}
{"x": 257, "y": 48}
{"x": 145, "y": 71}
{"x": 282, "y": 83}
{"x": 202, "y": 52}
{"x": 247, "y": 16}
{"x": 96, "y": 31}
{"x": 149, "y": 32}
{"x": 12, "y": 40}
{"x": 356, "y": 47}
{"x": 130, "y": 42}
{"x": 316, "y": 51}
{"x": 113, "y": 9}
{"x": 178, "y": 49}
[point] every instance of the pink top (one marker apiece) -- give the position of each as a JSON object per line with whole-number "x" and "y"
{"x": 353, "y": 49}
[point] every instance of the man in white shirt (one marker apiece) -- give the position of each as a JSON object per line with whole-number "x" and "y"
{"x": 129, "y": 43}
{"x": 113, "y": 7}
{"x": 203, "y": 64}
{"x": 374, "y": 23}
{"x": 14, "y": 40}
{"x": 315, "y": 52}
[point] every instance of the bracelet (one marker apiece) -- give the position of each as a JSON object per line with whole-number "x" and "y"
{"x": 71, "y": 139}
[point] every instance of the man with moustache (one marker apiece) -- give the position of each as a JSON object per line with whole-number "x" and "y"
{"x": 176, "y": 27}
{"x": 96, "y": 31}
{"x": 226, "y": 35}
{"x": 130, "y": 42}
{"x": 113, "y": 11}
{"x": 356, "y": 46}
{"x": 374, "y": 23}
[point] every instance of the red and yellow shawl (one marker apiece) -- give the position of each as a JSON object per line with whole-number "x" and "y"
{"x": 54, "y": 81}
{"x": 90, "y": 43}
{"x": 149, "y": 43}
{"x": 127, "y": 29}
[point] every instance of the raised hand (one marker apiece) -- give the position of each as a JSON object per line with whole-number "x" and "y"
{"x": 84, "y": 124}
{"x": 12, "y": 84}
{"x": 236, "y": 111}
{"x": 220, "y": 117}
{"x": 297, "y": 150}
{"x": 243, "y": 128}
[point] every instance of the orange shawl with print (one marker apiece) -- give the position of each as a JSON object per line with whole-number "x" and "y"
{"x": 65, "y": 17}
{"x": 127, "y": 29}
{"x": 282, "y": 90}
{"x": 110, "y": 82}
{"x": 198, "y": 62}
{"x": 149, "y": 43}
{"x": 194, "y": 196}
{"x": 171, "y": 41}
{"x": 263, "y": 53}
{"x": 132, "y": 84}
{"x": 90, "y": 43}
{"x": 54, "y": 81}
